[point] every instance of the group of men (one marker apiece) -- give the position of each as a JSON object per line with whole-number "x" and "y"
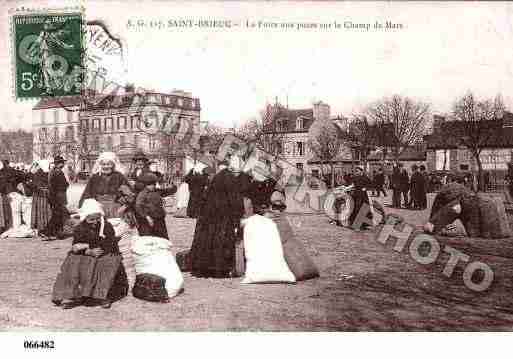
{"x": 412, "y": 189}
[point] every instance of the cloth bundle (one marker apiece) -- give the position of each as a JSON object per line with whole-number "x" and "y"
{"x": 153, "y": 256}
{"x": 182, "y": 200}
{"x": 126, "y": 235}
{"x": 265, "y": 262}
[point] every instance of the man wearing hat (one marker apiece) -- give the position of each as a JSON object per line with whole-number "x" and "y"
{"x": 141, "y": 167}
{"x": 57, "y": 187}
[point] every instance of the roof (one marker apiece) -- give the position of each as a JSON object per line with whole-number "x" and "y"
{"x": 174, "y": 100}
{"x": 58, "y": 102}
{"x": 284, "y": 120}
{"x": 501, "y": 136}
{"x": 411, "y": 153}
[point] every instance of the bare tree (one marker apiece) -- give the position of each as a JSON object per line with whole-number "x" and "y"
{"x": 361, "y": 137}
{"x": 324, "y": 142}
{"x": 479, "y": 122}
{"x": 400, "y": 122}
{"x": 264, "y": 131}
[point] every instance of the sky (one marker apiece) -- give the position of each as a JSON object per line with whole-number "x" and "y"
{"x": 442, "y": 51}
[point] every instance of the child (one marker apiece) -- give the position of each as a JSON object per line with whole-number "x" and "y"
{"x": 93, "y": 268}
{"x": 149, "y": 208}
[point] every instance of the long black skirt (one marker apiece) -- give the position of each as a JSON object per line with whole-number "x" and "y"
{"x": 5, "y": 212}
{"x": 84, "y": 276}
{"x": 213, "y": 247}
{"x": 41, "y": 211}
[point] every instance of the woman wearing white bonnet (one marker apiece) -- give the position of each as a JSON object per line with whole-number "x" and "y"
{"x": 107, "y": 184}
{"x": 93, "y": 269}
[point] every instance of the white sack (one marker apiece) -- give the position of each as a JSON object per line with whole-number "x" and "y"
{"x": 22, "y": 231}
{"x": 127, "y": 234}
{"x": 265, "y": 262}
{"x": 153, "y": 255}
{"x": 182, "y": 196}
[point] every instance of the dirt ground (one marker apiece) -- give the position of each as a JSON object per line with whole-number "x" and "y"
{"x": 364, "y": 285}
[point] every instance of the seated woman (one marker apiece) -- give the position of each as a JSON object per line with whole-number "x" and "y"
{"x": 93, "y": 268}
{"x": 109, "y": 186}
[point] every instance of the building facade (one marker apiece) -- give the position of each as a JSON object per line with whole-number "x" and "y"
{"x": 291, "y": 128}
{"x": 124, "y": 124}
{"x": 446, "y": 153}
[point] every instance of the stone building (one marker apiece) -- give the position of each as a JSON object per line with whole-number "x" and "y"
{"x": 447, "y": 152}
{"x": 124, "y": 124}
{"x": 291, "y": 128}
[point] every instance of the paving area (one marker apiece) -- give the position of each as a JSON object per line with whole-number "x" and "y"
{"x": 364, "y": 285}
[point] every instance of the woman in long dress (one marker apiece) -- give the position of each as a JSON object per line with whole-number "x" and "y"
{"x": 197, "y": 181}
{"x": 93, "y": 268}
{"x": 218, "y": 227}
{"x": 41, "y": 211}
{"x": 108, "y": 186}
{"x": 5, "y": 206}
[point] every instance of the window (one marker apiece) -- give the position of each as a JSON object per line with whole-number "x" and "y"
{"x": 122, "y": 141}
{"x": 299, "y": 166}
{"x": 315, "y": 173}
{"x": 131, "y": 122}
{"x": 105, "y": 125}
{"x": 69, "y": 115}
{"x": 69, "y": 133}
{"x": 463, "y": 167}
{"x": 136, "y": 140}
{"x": 109, "y": 143}
{"x": 119, "y": 127}
{"x": 151, "y": 142}
{"x": 125, "y": 120}
{"x": 300, "y": 148}
{"x": 136, "y": 121}
{"x": 112, "y": 124}
{"x": 96, "y": 143}
{"x": 299, "y": 123}
{"x": 43, "y": 134}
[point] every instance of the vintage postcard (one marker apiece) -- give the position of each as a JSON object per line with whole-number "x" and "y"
{"x": 171, "y": 166}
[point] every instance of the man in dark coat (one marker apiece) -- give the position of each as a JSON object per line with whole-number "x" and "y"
{"x": 141, "y": 167}
{"x": 361, "y": 183}
{"x": 423, "y": 193}
{"x": 379, "y": 182}
{"x": 57, "y": 187}
{"x": 396, "y": 187}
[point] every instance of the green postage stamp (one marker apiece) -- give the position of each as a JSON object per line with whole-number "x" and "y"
{"x": 47, "y": 50}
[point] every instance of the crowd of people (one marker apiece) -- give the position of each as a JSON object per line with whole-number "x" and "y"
{"x": 221, "y": 197}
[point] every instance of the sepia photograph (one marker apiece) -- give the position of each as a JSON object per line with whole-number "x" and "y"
{"x": 255, "y": 166}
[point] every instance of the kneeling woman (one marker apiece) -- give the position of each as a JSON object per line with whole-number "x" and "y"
{"x": 93, "y": 268}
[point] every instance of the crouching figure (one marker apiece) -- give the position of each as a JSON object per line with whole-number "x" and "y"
{"x": 479, "y": 214}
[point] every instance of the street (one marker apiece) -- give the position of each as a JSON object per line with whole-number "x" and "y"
{"x": 364, "y": 285}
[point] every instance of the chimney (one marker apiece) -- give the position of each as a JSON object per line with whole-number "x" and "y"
{"x": 438, "y": 120}
{"x": 321, "y": 111}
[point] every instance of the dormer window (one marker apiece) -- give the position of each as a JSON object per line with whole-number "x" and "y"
{"x": 299, "y": 124}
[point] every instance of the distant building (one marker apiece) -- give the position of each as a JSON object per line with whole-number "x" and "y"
{"x": 291, "y": 128}
{"x": 80, "y": 130}
{"x": 447, "y": 152}
{"x": 16, "y": 146}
